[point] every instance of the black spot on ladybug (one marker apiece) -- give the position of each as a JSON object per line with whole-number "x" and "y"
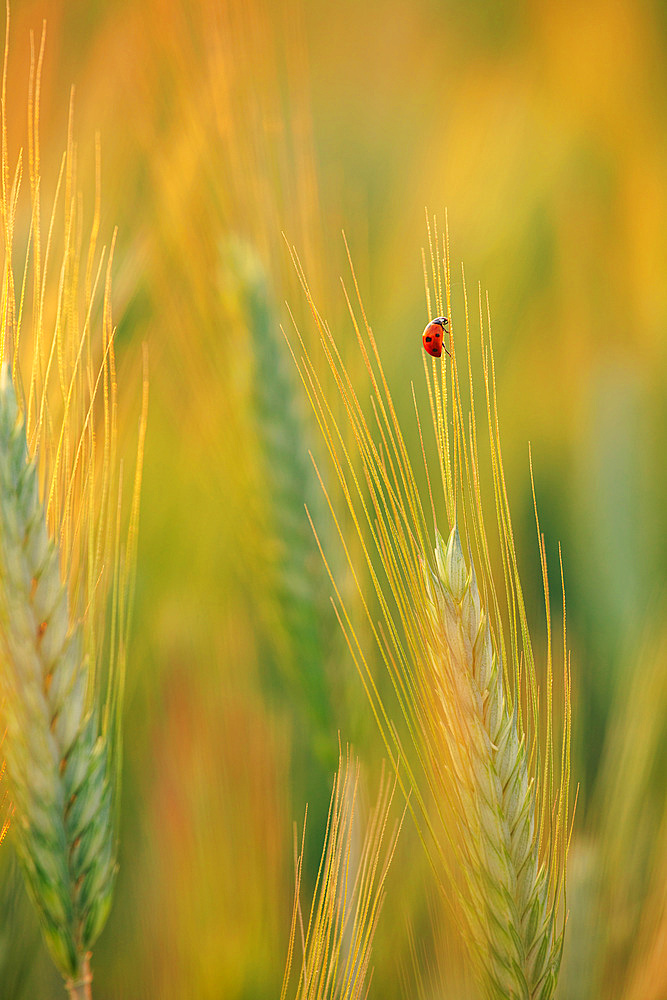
{"x": 428, "y": 340}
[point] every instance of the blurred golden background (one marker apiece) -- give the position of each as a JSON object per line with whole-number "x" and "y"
{"x": 542, "y": 128}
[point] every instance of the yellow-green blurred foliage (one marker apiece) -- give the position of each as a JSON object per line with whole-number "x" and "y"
{"x": 543, "y": 128}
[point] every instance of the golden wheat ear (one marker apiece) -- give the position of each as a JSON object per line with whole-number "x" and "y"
{"x": 490, "y": 790}
{"x": 349, "y": 894}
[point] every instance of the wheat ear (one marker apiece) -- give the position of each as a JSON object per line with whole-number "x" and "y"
{"x": 510, "y": 909}
{"x": 57, "y": 760}
{"x": 349, "y": 893}
{"x": 66, "y": 566}
{"x": 290, "y": 587}
{"x": 459, "y": 654}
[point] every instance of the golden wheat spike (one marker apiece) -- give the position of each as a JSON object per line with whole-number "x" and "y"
{"x": 337, "y": 939}
{"x": 458, "y": 650}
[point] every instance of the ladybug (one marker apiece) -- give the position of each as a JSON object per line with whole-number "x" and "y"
{"x": 432, "y": 336}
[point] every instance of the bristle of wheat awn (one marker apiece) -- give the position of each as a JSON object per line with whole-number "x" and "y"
{"x": 458, "y": 651}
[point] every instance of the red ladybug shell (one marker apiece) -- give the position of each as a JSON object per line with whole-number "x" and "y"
{"x": 432, "y": 336}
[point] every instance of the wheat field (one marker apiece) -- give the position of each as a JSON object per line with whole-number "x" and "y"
{"x": 330, "y": 669}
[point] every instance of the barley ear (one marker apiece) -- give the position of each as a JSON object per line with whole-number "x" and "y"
{"x": 58, "y": 761}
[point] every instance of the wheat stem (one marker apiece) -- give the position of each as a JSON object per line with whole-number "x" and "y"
{"x": 80, "y": 989}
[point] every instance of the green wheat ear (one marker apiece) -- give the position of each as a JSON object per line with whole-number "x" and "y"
{"x": 293, "y": 594}
{"x": 66, "y": 563}
{"x": 511, "y": 909}
{"x": 57, "y": 757}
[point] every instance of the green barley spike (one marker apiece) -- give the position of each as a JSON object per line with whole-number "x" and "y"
{"x": 58, "y": 763}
